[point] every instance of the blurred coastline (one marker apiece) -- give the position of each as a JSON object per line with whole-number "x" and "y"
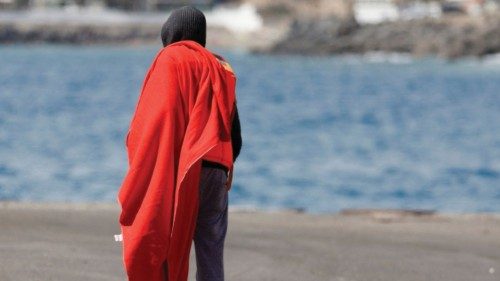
{"x": 445, "y": 28}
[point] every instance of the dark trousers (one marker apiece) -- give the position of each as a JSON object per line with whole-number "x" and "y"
{"x": 211, "y": 226}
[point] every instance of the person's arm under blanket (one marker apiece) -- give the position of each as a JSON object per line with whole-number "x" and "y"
{"x": 236, "y": 140}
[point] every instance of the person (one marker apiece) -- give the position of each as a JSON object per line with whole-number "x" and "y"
{"x": 182, "y": 143}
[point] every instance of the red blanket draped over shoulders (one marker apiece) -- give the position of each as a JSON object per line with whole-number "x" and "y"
{"x": 184, "y": 110}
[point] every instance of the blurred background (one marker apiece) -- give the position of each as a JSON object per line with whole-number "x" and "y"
{"x": 343, "y": 103}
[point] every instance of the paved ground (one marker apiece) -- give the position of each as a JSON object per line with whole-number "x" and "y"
{"x": 75, "y": 242}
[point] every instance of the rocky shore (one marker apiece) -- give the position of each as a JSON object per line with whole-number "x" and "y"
{"x": 316, "y": 27}
{"x": 449, "y": 37}
{"x": 322, "y": 27}
{"x": 105, "y": 26}
{"x": 77, "y": 34}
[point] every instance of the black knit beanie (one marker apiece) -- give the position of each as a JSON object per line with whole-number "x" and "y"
{"x": 186, "y": 23}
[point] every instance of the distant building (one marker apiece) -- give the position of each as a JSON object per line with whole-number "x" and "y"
{"x": 138, "y": 5}
{"x": 469, "y": 7}
{"x": 152, "y": 5}
{"x": 7, "y": 4}
{"x": 375, "y": 11}
{"x": 491, "y": 6}
{"x": 419, "y": 10}
{"x": 168, "y": 4}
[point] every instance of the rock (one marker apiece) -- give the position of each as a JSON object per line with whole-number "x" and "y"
{"x": 315, "y": 36}
{"x": 449, "y": 37}
{"x": 75, "y": 34}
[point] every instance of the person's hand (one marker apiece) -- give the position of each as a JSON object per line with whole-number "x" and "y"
{"x": 229, "y": 180}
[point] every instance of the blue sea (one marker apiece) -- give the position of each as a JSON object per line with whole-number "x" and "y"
{"x": 320, "y": 133}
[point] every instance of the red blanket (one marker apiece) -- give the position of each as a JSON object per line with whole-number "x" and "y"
{"x": 184, "y": 110}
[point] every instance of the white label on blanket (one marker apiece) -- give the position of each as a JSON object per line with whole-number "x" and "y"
{"x": 118, "y": 237}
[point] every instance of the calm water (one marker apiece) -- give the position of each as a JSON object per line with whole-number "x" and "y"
{"x": 319, "y": 133}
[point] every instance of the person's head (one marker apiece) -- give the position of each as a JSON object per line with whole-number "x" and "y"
{"x": 186, "y": 23}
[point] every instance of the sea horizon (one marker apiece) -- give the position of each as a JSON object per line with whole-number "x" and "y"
{"x": 332, "y": 133}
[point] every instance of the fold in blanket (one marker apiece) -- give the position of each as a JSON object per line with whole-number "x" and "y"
{"x": 184, "y": 111}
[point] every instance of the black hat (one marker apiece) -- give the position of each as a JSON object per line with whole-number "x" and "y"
{"x": 186, "y": 23}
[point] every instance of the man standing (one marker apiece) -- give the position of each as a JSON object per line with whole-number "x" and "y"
{"x": 182, "y": 142}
